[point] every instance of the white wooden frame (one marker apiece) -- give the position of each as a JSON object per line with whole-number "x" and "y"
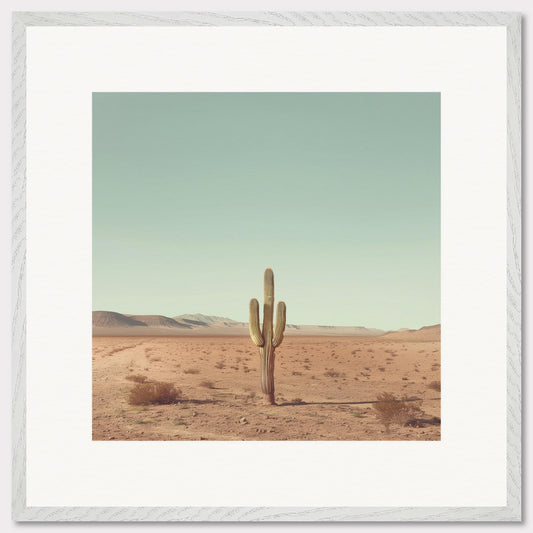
{"x": 510, "y": 512}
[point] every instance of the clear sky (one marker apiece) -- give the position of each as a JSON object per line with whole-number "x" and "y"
{"x": 195, "y": 194}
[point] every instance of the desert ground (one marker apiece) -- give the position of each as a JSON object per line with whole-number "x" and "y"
{"x": 327, "y": 388}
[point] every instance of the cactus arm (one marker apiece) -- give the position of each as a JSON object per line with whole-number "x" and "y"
{"x": 255, "y": 331}
{"x": 280, "y": 324}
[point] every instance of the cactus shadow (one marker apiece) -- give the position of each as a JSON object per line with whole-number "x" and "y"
{"x": 349, "y": 403}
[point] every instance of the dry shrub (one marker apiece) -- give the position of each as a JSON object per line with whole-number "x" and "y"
{"x": 390, "y": 410}
{"x": 334, "y": 374}
{"x": 138, "y": 378}
{"x": 191, "y": 371}
{"x": 219, "y": 364}
{"x": 435, "y": 385}
{"x": 153, "y": 392}
{"x": 207, "y": 384}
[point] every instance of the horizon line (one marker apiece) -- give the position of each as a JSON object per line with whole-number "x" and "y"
{"x": 173, "y": 317}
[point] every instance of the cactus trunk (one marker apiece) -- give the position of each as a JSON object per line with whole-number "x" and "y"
{"x": 269, "y": 338}
{"x": 267, "y": 373}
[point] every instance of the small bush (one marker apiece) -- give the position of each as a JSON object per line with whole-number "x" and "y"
{"x": 191, "y": 371}
{"x": 220, "y": 364}
{"x": 390, "y": 410}
{"x": 207, "y": 384}
{"x": 138, "y": 378}
{"x": 334, "y": 374}
{"x": 153, "y": 392}
{"x": 435, "y": 385}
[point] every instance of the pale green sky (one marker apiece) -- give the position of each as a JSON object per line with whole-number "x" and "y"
{"x": 195, "y": 194}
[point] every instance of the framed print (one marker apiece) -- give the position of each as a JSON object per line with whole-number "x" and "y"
{"x": 255, "y": 247}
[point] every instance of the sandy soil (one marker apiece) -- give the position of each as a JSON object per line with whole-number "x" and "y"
{"x": 326, "y": 388}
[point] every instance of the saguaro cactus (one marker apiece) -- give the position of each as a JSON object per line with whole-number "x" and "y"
{"x": 270, "y": 338}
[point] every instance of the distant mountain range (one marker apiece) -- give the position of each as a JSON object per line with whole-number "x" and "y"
{"x": 110, "y": 319}
{"x": 109, "y": 323}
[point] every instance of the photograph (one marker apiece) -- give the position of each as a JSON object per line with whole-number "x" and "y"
{"x": 266, "y": 266}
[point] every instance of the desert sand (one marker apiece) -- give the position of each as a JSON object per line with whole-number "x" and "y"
{"x": 326, "y": 387}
